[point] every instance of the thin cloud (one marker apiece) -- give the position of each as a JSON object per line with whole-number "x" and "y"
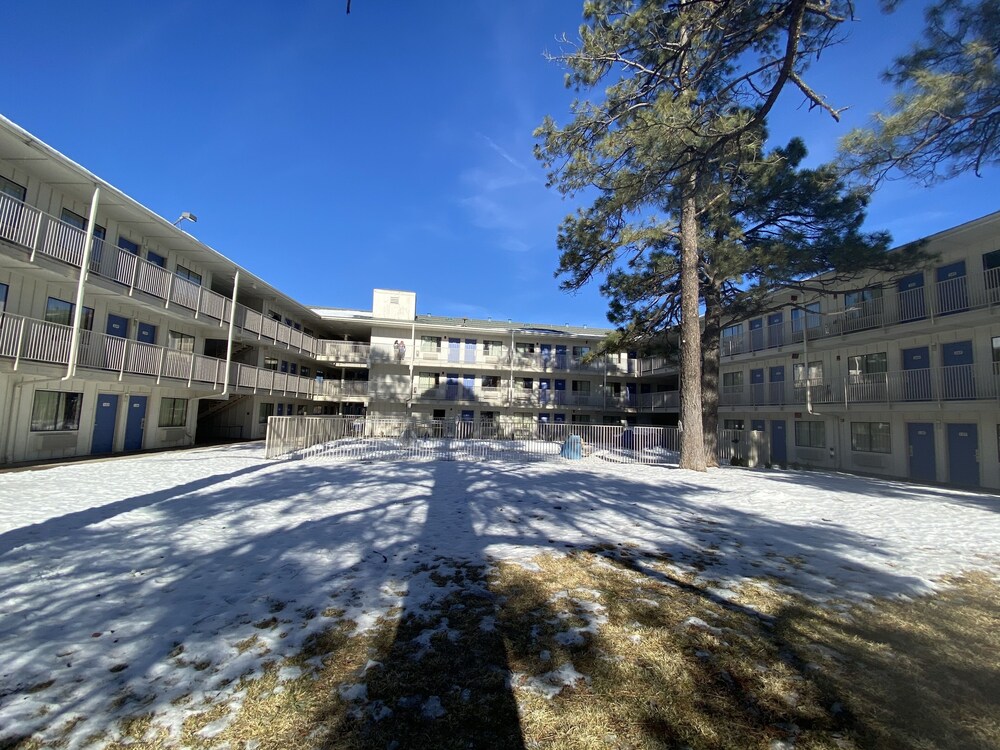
{"x": 503, "y": 153}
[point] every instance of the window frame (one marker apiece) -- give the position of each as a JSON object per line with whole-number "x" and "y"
{"x": 864, "y": 440}
{"x": 86, "y": 320}
{"x": 187, "y": 274}
{"x": 264, "y": 410}
{"x": 66, "y": 402}
{"x": 170, "y": 413}
{"x": 810, "y": 428}
{"x": 176, "y": 337}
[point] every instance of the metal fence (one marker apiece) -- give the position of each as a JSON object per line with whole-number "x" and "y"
{"x": 361, "y": 438}
{"x": 391, "y": 438}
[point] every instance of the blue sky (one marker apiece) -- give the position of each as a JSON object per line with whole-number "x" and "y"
{"x": 330, "y": 154}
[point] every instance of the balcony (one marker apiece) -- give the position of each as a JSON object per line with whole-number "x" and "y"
{"x": 342, "y": 389}
{"x": 938, "y": 300}
{"x": 344, "y": 352}
{"x": 936, "y": 384}
{"x": 42, "y": 234}
{"x": 37, "y": 341}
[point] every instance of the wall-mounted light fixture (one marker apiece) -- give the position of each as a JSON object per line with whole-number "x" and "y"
{"x": 186, "y": 215}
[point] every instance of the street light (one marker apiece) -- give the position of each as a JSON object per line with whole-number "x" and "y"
{"x": 186, "y": 215}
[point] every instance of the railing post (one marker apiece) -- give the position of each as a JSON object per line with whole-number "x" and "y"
{"x": 197, "y": 304}
{"x": 159, "y": 366}
{"x": 191, "y": 369}
{"x": 38, "y": 236}
{"x": 20, "y": 343}
{"x": 121, "y": 371}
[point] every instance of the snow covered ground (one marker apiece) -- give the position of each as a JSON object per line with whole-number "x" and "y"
{"x": 127, "y": 584}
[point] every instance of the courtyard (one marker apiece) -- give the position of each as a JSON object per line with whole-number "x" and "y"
{"x": 212, "y": 598}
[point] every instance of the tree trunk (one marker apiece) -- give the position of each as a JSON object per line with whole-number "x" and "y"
{"x": 710, "y": 373}
{"x": 692, "y": 435}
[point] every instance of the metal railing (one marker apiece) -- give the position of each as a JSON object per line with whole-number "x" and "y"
{"x": 360, "y": 438}
{"x": 44, "y": 234}
{"x": 973, "y": 291}
{"x": 973, "y": 382}
{"x": 29, "y": 340}
{"x": 352, "y": 352}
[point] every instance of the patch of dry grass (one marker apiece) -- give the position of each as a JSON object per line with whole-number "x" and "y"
{"x": 613, "y": 648}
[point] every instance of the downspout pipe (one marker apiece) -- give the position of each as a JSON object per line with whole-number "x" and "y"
{"x": 229, "y": 337}
{"x": 74, "y": 346}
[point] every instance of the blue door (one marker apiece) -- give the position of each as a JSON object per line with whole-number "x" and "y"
{"x": 779, "y": 450}
{"x": 911, "y": 298}
{"x": 917, "y": 374}
{"x": 470, "y": 350}
{"x": 117, "y": 326}
{"x": 105, "y": 420}
{"x": 963, "y": 454}
{"x": 757, "y": 387}
{"x": 135, "y": 423}
{"x": 776, "y": 394}
{"x": 546, "y": 350}
{"x": 543, "y": 390}
{"x": 468, "y": 387}
{"x": 923, "y": 461}
{"x": 952, "y": 288}
{"x": 775, "y": 329}
{"x": 561, "y": 360}
{"x": 560, "y": 391}
{"x": 956, "y": 376}
{"x": 756, "y": 334}
{"x": 451, "y": 386}
{"x": 454, "y": 349}
{"x": 146, "y": 333}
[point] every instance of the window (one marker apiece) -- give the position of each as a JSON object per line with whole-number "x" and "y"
{"x": 815, "y": 374}
{"x": 304, "y": 371}
{"x": 733, "y": 331}
{"x": 870, "y": 437}
{"x": 810, "y": 434}
{"x": 293, "y": 368}
{"x": 274, "y": 316}
{"x": 581, "y": 351}
{"x": 867, "y": 364}
{"x": 732, "y": 381}
{"x": 581, "y": 386}
{"x": 187, "y": 273}
{"x": 862, "y": 297}
{"x": 430, "y": 344}
{"x": 491, "y": 381}
{"x": 991, "y": 267}
{"x": 12, "y": 189}
{"x": 61, "y": 312}
{"x": 525, "y": 383}
{"x": 270, "y": 363}
{"x": 996, "y": 349}
{"x": 173, "y": 412}
{"x": 180, "y": 342}
{"x": 75, "y": 220}
{"x": 429, "y": 380}
{"x": 156, "y": 259}
{"x": 3, "y": 305}
{"x": 266, "y": 410}
{"x": 492, "y": 348}
{"x": 524, "y": 348}
{"x": 56, "y": 410}
{"x": 810, "y": 313}
{"x": 580, "y": 419}
{"x": 732, "y": 424}
{"x": 127, "y": 245}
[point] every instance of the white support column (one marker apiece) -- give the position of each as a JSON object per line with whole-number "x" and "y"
{"x": 229, "y": 337}
{"x": 74, "y": 346}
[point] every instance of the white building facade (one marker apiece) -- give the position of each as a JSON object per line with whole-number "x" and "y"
{"x": 171, "y": 342}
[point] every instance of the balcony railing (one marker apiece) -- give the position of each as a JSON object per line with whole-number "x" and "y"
{"x": 342, "y": 388}
{"x": 352, "y": 352}
{"x": 30, "y": 340}
{"x": 533, "y": 361}
{"x": 44, "y": 234}
{"x": 939, "y": 299}
{"x": 954, "y": 383}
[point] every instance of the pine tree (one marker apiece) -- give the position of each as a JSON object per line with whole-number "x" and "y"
{"x": 945, "y": 116}
{"x": 687, "y": 88}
